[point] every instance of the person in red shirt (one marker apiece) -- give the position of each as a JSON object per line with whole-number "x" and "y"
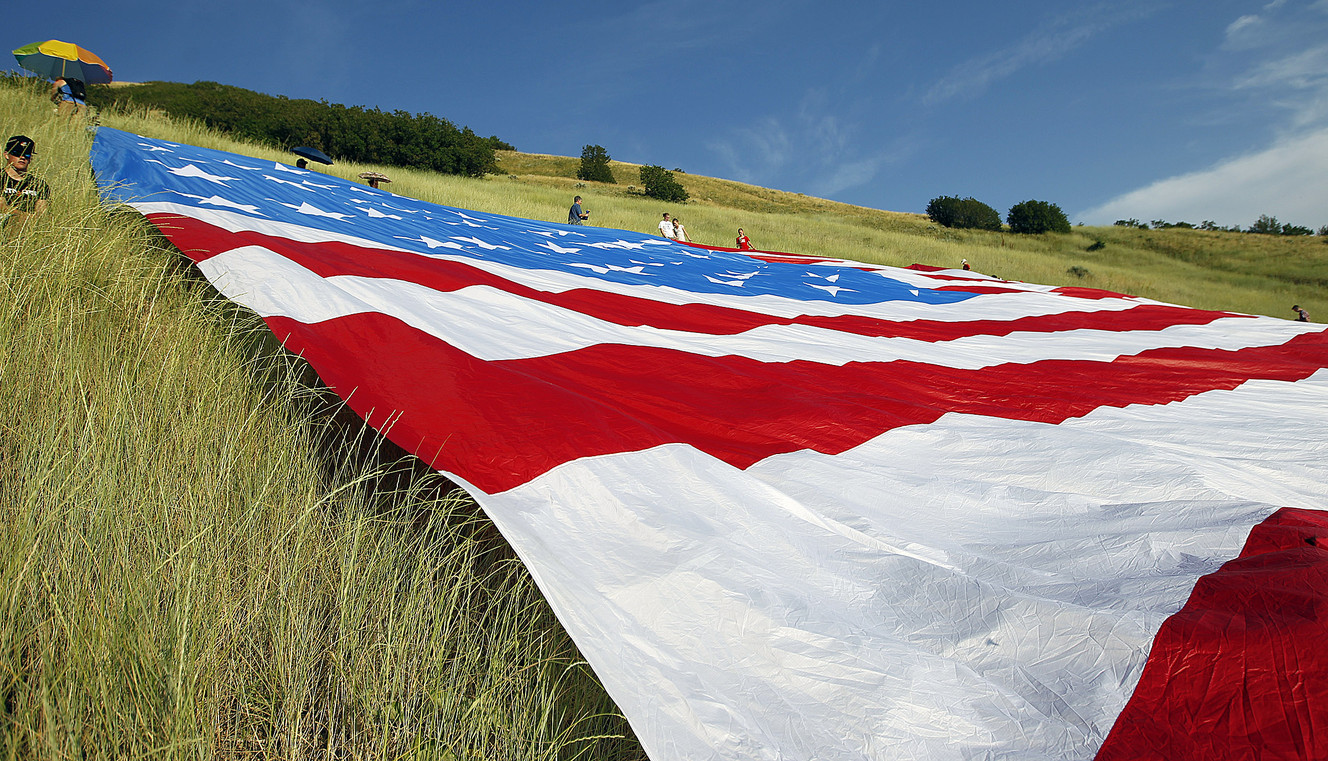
{"x": 744, "y": 244}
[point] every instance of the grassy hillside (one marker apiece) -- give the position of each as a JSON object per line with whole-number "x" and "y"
{"x": 1256, "y": 274}
{"x": 197, "y": 563}
{"x": 201, "y": 559}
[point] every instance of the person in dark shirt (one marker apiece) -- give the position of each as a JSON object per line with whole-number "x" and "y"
{"x": 575, "y": 215}
{"x": 21, "y": 194}
{"x": 1301, "y": 314}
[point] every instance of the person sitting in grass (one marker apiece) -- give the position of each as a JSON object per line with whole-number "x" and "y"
{"x": 22, "y": 195}
{"x": 69, "y": 96}
{"x": 1301, "y": 314}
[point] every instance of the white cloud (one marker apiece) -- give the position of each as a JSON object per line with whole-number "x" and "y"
{"x": 1049, "y": 42}
{"x": 1282, "y": 82}
{"x": 757, "y": 151}
{"x": 1285, "y": 181}
{"x": 1241, "y": 28}
{"x": 1301, "y": 70}
{"x": 817, "y": 149}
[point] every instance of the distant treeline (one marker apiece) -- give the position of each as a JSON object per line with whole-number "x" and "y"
{"x": 354, "y": 133}
{"x": 1264, "y": 225}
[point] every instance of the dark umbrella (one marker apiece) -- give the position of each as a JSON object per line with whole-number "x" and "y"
{"x": 313, "y": 154}
{"x": 54, "y": 59}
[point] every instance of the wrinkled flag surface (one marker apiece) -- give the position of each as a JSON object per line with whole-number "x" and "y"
{"x": 799, "y": 508}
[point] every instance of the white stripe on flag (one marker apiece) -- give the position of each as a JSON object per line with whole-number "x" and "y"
{"x": 492, "y": 324}
{"x": 972, "y": 588}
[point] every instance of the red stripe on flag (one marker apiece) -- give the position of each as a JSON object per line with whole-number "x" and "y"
{"x": 201, "y": 241}
{"x": 1241, "y": 670}
{"x": 525, "y": 416}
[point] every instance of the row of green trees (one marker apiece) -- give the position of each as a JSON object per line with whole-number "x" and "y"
{"x": 350, "y": 133}
{"x": 1264, "y": 225}
{"x": 657, "y": 181}
{"x": 1032, "y": 217}
{"x": 1026, "y": 218}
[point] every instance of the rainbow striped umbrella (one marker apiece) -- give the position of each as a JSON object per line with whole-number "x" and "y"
{"x": 54, "y": 59}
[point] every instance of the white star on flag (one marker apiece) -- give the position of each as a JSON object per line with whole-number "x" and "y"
{"x": 617, "y": 244}
{"x": 557, "y": 249}
{"x": 605, "y": 268}
{"x": 310, "y": 209}
{"x": 189, "y": 170}
{"x": 376, "y": 214}
{"x": 432, "y": 243}
{"x": 833, "y": 290}
{"x": 219, "y": 201}
{"x": 299, "y": 185}
{"x": 482, "y": 244}
{"x": 228, "y": 162}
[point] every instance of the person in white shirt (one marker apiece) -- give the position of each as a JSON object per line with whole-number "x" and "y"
{"x": 679, "y": 232}
{"x": 666, "y": 226}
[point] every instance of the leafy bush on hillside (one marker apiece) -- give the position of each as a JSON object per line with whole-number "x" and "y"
{"x": 969, "y": 213}
{"x": 1266, "y": 225}
{"x": 595, "y": 165}
{"x": 659, "y": 183}
{"x": 1034, "y": 217}
{"x": 355, "y": 133}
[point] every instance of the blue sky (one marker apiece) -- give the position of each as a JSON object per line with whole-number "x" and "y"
{"x": 1213, "y": 110}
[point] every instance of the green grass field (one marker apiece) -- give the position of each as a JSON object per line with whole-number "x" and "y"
{"x": 203, "y": 558}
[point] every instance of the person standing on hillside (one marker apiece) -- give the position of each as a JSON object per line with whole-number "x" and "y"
{"x": 576, "y": 215}
{"x": 744, "y": 243}
{"x": 21, "y": 195}
{"x": 666, "y": 226}
{"x": 1301, "y": 314}
{"x": 679, "y": 232}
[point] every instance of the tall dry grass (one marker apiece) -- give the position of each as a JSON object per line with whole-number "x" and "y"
{"x": 198, "y": 561}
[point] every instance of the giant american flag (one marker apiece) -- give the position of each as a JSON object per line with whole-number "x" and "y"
{"x": 801, "y": 508}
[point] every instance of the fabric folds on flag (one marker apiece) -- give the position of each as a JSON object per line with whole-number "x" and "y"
{"x": 794, "y": 507}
